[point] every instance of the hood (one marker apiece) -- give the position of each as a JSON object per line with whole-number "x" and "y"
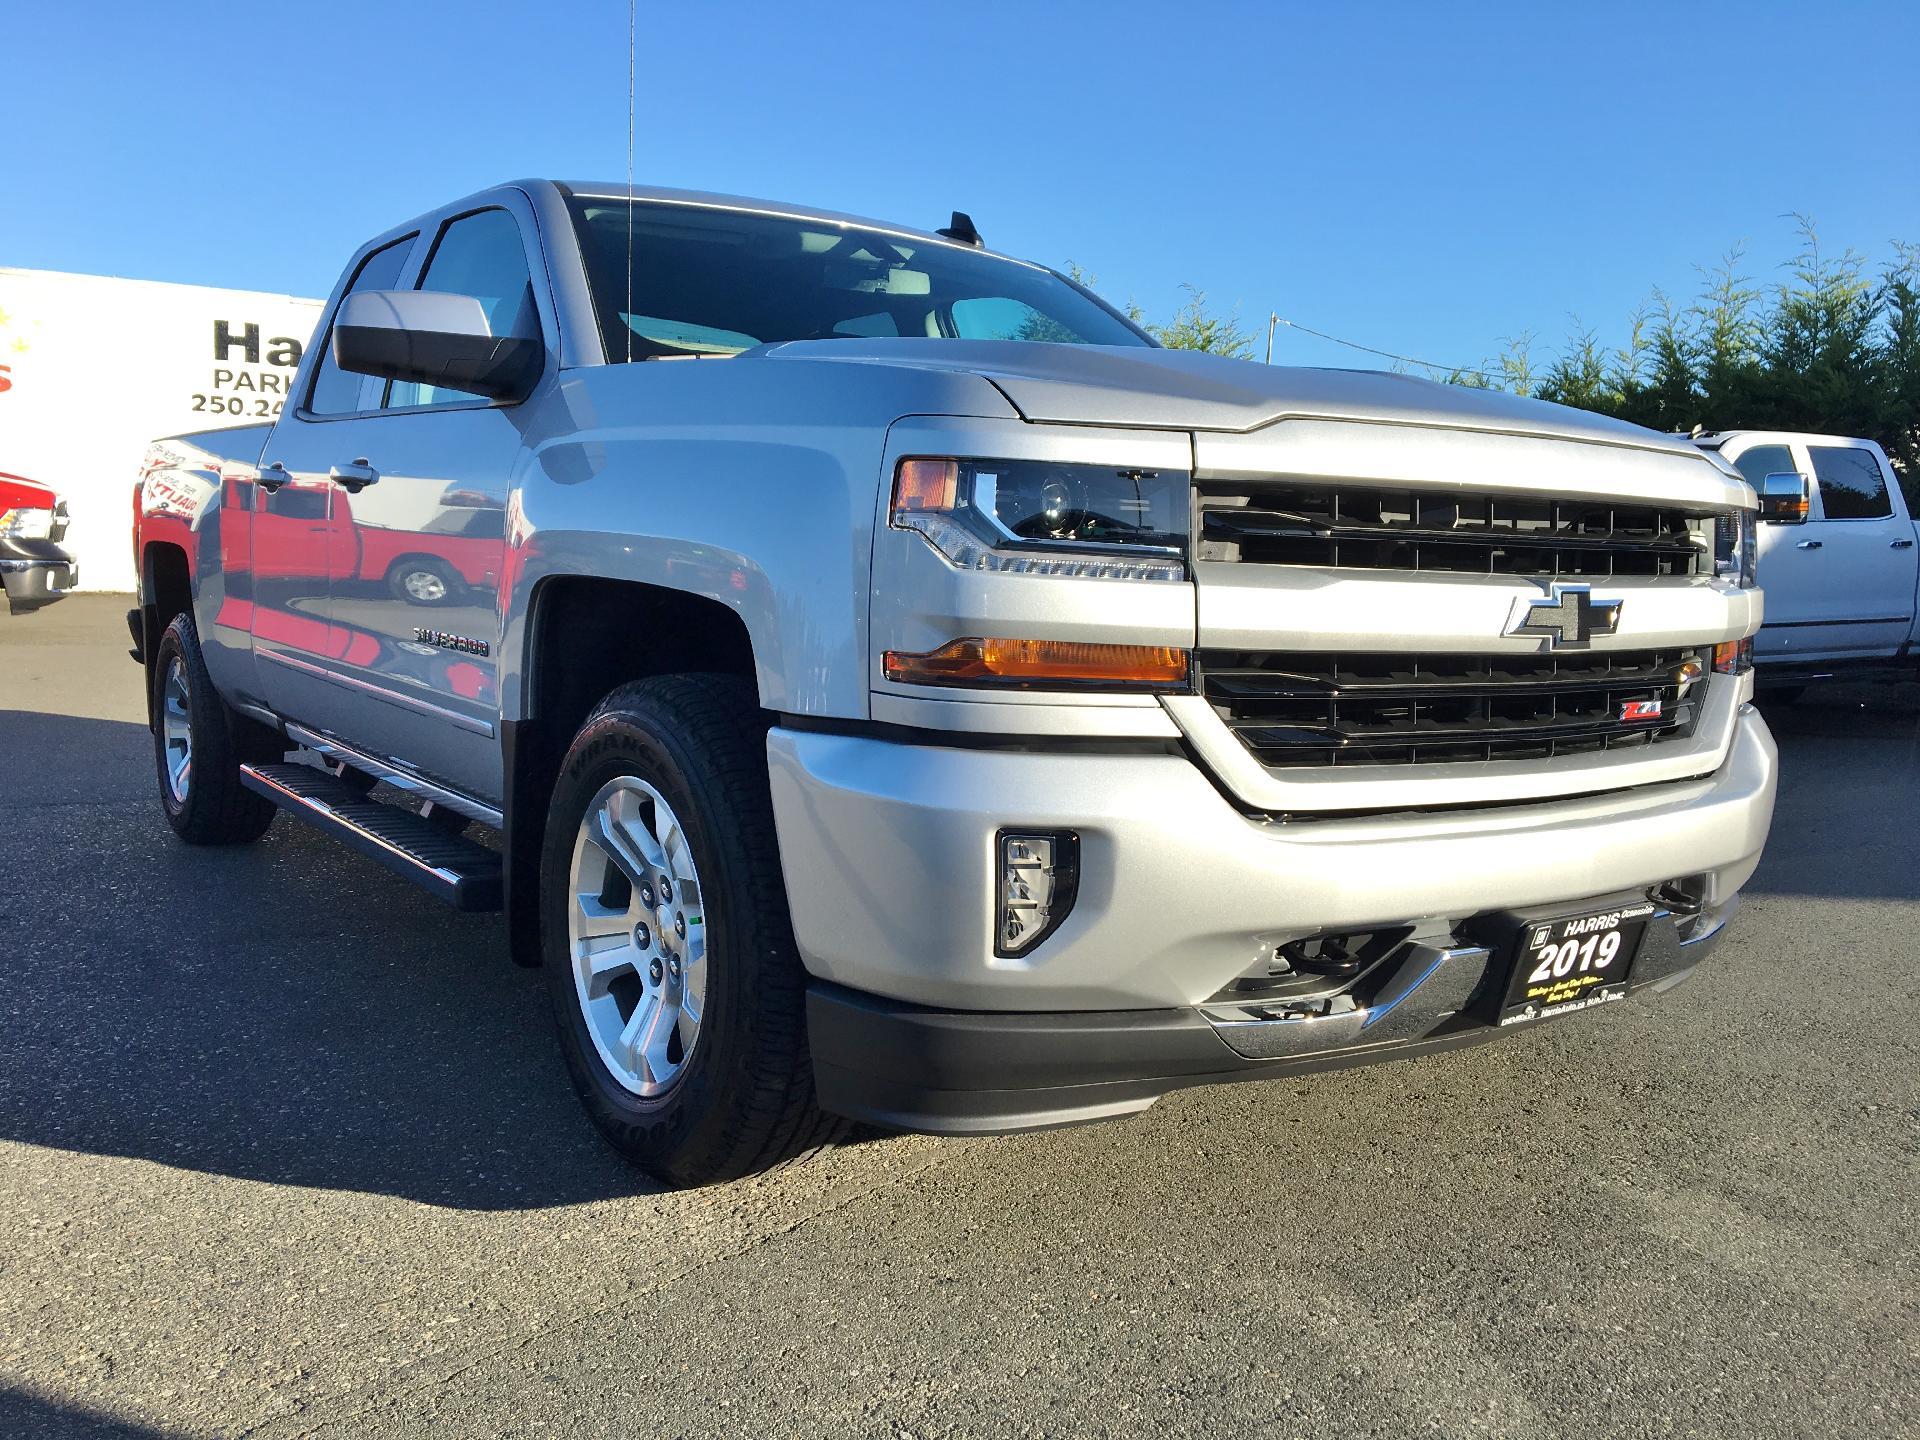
{"x": 1183, "y": 390}
{"x": 18, "y": 491}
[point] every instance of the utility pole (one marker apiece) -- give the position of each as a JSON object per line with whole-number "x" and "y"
{"x": 1273, "y": 319}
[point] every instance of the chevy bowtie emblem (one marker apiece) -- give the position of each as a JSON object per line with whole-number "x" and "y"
{"x": 1572, "y": 617}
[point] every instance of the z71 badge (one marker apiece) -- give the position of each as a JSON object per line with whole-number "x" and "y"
{"x": 448, "y": 641}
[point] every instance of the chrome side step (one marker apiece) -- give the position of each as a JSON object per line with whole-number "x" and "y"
{"x": 329, "y": 748}
{"x": 449, "y": 867}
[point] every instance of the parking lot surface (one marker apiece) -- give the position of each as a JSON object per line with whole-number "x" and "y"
{"x": 287, "y": 1149}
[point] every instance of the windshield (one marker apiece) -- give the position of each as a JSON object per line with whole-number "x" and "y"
{"x": 715, "y": 282}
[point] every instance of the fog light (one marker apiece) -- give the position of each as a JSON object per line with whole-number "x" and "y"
{"x": 1039, "y": 878}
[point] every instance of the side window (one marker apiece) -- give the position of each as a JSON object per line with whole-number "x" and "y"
{"x": 301, "y": 502}
{"x": 1764, "y": 460}
{"x": 1851, "y": 485}
{"x": 478, "y": 255}
{"x": 336, "y": 391}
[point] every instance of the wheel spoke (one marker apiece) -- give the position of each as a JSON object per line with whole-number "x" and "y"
{"x": 616, "y": 843}
{"x": 653, "y": 1041}
{"x": 666, "y": 834}
{"x": 605, "y": 966}
{"x": 595, "y": 921}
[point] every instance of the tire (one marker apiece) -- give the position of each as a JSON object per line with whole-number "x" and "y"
{"x": 422, "y": 580}
{"x": 729, "y": 1092}
{"x": 203, "y": 798}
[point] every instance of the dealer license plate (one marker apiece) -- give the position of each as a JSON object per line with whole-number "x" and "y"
{"x": 1573, "y": 963}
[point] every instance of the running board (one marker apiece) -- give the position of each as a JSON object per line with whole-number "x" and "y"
{"x": 449, "y": 867}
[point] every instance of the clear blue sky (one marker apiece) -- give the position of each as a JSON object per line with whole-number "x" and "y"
{"x": 1429, "y": 178}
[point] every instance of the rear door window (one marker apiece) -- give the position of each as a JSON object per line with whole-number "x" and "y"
{"x": 336, "y": 391}
{"x": 1851, "y": 484}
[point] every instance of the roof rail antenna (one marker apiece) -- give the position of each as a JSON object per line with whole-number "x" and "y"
{"x": 961, "y": 228}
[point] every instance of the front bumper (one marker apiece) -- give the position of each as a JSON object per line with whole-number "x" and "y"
{"x": 888, "y": 853}
{"x": 949, "y": 1072}
{"x": 35, "y": 573}
{"x": 889, "y": 857}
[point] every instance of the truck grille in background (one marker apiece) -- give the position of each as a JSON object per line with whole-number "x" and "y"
{"x": 1365, "y": 709}
{"x": 1363, "y": 528}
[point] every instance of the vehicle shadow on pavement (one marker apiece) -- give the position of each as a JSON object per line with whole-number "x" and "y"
{"x": 1849, "y": 777}
{"x": 288, "y": 1013}
{"x": 283, "y": 1012}
{"x": 24, "y": 1416}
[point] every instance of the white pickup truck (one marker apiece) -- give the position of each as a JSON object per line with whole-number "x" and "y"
{"x": 1838, "y": 557}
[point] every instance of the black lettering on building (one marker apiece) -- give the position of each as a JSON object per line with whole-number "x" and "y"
{"x": 224, "y": 342}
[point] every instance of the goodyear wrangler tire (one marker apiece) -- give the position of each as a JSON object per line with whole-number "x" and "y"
{"x": 665, "y": 938}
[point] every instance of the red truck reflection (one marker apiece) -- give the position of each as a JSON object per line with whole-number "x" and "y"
{"x": 309, "y": 531}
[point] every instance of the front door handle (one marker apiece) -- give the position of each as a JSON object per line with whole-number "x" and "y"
{"x": 355, "y": 477}
{"x": 1902, "y": 545}
{"x": 271, "y": 477}
{"x": 1811, "y": 544}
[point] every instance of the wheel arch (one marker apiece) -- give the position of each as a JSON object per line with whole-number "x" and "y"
{"x": 583, "y": 637}
{"x": 166, "y": 590}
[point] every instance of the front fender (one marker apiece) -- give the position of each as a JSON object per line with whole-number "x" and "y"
{"x": 747, "y": 482}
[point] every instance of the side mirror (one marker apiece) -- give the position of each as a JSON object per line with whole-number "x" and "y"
{"x": 434, "y": 338}
{"x": 1785, "y": 498}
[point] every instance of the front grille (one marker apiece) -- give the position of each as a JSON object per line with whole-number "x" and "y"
{"x": 1364, "y": 528}
{"x": 1322, "y": 709}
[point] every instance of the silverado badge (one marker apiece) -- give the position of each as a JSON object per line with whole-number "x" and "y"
{"x": 1571, "y": 618}
{"x": 446, "y": 640}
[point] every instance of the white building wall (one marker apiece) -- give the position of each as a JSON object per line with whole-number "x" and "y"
{"x": 93, "y": 367}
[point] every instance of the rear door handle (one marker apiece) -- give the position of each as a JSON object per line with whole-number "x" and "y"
{"x": 1811, "y": 544}
{"x": 355, "y": 477}
{"x": 1902, "y": 545}
{"x": 271, "y": 477}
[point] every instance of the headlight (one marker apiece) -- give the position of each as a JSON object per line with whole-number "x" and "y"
{"x": 26, "y": 524}
{"x": 1736, "y": 553}
{"x": 1031, "y": 518}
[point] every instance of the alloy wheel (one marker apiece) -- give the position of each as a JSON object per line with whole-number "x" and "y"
{"x": 176, "y": 730}
{"x": 637, "y": 936}
{"x": 425, "y": 586}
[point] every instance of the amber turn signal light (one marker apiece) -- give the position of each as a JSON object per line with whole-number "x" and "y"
{"x": 1039, "y": 663}
{"x": 923, "y": 485}
{"x": 1733, "y": 658}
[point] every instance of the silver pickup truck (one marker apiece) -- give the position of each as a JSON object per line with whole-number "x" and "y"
{"x": 876, "y": 681}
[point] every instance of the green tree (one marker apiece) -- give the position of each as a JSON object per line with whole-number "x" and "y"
{"x": 1194, "y": 327}
{"x": 1897, "y": 373}
{"x": 1829, "y": 348}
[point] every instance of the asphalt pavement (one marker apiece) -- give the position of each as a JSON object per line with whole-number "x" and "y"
{"x": 287, "y": 1149}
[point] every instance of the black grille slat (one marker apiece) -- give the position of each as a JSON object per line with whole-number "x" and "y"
{"x": 1344, "y": 709}
{"x": 1359, "y": 527}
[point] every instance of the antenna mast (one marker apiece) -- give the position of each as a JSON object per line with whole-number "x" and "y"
{"x": 627, "y": 321}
